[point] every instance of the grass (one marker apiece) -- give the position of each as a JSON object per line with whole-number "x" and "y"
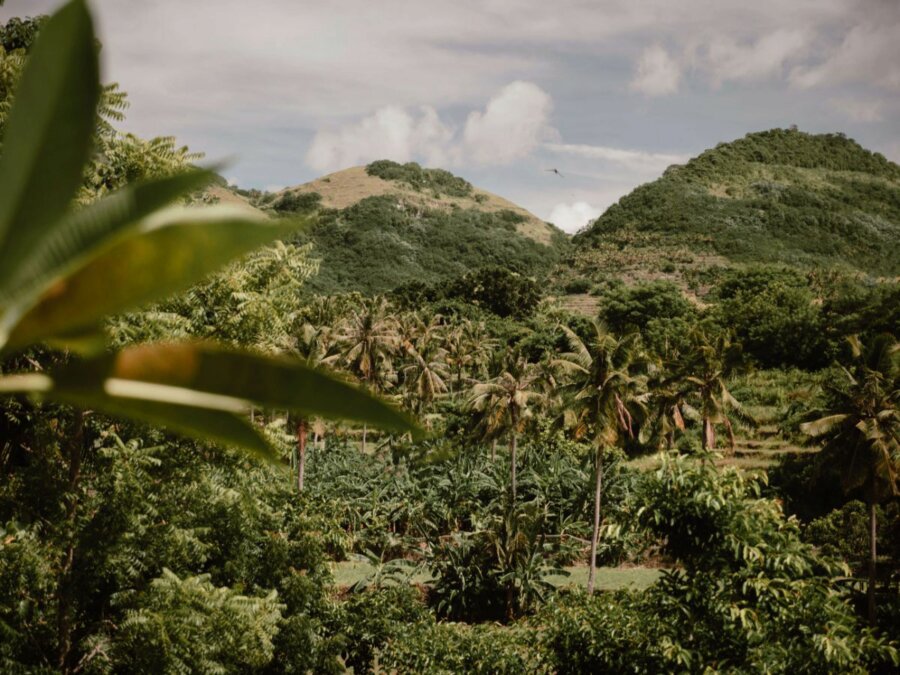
{"x": 349, "y": 572}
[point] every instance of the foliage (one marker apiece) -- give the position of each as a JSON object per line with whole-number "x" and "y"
{"x": 658, "y": 310}
{"x": 779, "y": 196}
{"x": 297, "y": 202}
{"x": 773, "y": 314}
{"x": 190, "y": 625}
{"x": 444, "y": 648}
{"x": 63, "y": 271}
{"x": 371, "y": 619}
{"x": 382, "y": 242}
{"x": 436, "y": 180}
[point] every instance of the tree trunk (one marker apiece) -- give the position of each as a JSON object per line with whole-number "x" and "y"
{"x": 873, "y": 533}
{"x": 64, "y": 599}
{"x": 301, "y": 453}
{"x": 708, "y": 437}
{"x": 512, "y": 462}
{"x": 365, "y": 430}
{"x": 595, "y": 537}
{"x": 494, "y": 451}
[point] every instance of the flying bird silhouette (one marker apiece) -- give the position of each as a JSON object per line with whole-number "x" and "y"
{"x": 556, "y": 171}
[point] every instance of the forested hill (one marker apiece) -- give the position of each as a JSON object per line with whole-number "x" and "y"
{"x": 779, "y": 196}
{"x": 388, "y": 224}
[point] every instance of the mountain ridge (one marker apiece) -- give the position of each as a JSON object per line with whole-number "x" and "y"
{"x": 780, "y": 196}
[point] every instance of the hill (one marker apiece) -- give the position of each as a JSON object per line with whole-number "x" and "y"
{"x": 388, "y": 224}
{"x": 775, "y": 197}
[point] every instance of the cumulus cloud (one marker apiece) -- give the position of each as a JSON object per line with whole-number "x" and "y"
{"x": 572, "y": 217}
{"x": 389, "y": 133}
{"x": 512, "y": 125}
{"x": 633, "y": 159}
{"x": 657, "y": 73}
{"x": 869, "y": 52}
{"x": 727, "y": 59}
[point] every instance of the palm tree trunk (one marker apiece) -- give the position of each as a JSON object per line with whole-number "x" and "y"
{"x": 870, "y": 593}
{"x": 512, "y": 462}
{"x": 301, "y": 453}
{"x": 64, "y": 592}
{"x": 595, "y": 537}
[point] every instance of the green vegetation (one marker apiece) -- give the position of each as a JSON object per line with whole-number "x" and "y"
{"x": 382, "y": 242}
{"x": 777, "y": 196}
{"x": 591, "y": 495}
{"x": 438, "y": 181}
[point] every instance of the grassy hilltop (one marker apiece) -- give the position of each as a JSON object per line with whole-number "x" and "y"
{"x": 775, "y": 197}
{"x": 388, "y": 224}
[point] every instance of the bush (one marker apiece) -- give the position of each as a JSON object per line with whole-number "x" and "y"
{"x": 369, "y": 620}
{"x": 437, "y": 180}
{"x": 297, "y": 202}
{"x": 431, "y": 648}
{"x": 189, "y": 625}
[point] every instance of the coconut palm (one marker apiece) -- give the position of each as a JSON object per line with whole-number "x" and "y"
{"x": 506, "y": 402}
{"x": 369, "y": 340}
{"x": 425, "y": 375}
{"x": 668, "y": 408}
{"x": 313, "y": 345}
{"x": 703, "y": 371}
{"x": 860, "y": 429}
{"x": 469, "y": 348}
{"x": 601, "y": 391}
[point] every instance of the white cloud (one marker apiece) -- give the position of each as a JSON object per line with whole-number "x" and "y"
{"x": 727, "y": 59}
{"x": 633, "y": 159}
{"x": 572, "y": 217}
{"x": 657, "y": 73}
{"x": 858, "y": 110}
{"x": 389, "y": 133}
{"x": 512, "y": 125}
{"x": 868, "y": 52}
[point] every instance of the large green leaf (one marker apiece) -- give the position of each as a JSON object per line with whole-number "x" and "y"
{"x": 239, "y": 376}
{"x": 89, "y": 388}
{"x": 81, "y": 232}
{"x": 48, "y": 136}
{"x": 200, "y": 389}
{"x": 170, "y": 251}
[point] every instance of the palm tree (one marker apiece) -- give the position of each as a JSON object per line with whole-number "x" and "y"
{"x": 468, "y": 348}
{"x": 860, "y": 429}
{"x": 313, "y": 345}
{"x": 507, "y": 401}
{"x": 425, "y": 375}
{"x": 601, "y": 390}
{"x": 704, "y": 371}
{"x": 668, "y": 409}
{"x": 370, "y": 339}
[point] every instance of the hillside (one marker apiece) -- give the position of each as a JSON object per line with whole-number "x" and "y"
{"x": 779, "y": 196}
{"x": 388, "y": 224}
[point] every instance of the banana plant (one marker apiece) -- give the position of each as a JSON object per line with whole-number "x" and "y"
{"x": 64, "y": 270}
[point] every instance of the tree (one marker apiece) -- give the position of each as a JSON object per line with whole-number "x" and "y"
{"x": 63, "y": 270}
{"x": 860, "y": 429}
{"x": 426, "y": 373}
{"x": 601, "y": 388}
{"x": 704, "y": 370}
{"x": 369, "y": 339}
{"x": 506, "y": 402}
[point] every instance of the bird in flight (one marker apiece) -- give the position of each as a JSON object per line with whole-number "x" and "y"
{"x": 556, "y": 171}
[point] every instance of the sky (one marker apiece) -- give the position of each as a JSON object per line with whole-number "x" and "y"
{"x": 609, "y": 92}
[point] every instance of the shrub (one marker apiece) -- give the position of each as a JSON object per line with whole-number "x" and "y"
{"x": 189, "y": 625}
{"x": 431, "y": 648}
